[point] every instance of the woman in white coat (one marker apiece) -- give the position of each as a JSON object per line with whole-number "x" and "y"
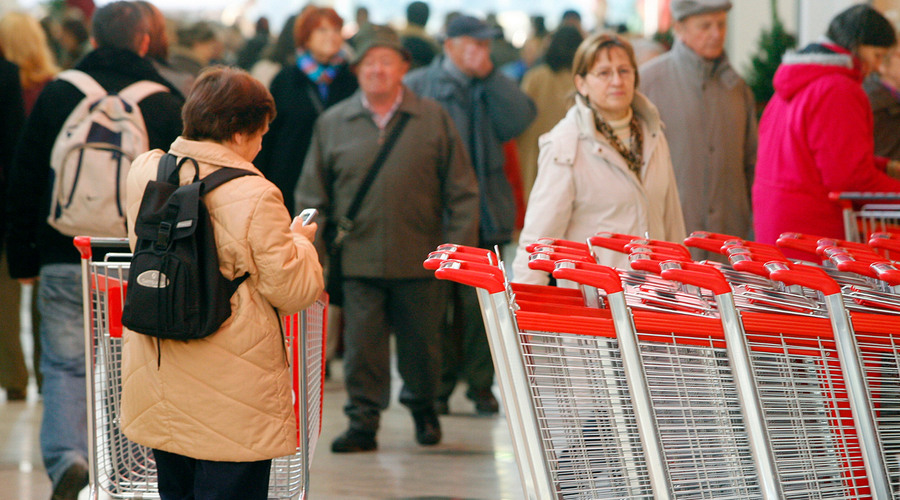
{"x": 605, "y": 166}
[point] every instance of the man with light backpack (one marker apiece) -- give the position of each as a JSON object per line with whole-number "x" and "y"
{"x": 68, "y": 179}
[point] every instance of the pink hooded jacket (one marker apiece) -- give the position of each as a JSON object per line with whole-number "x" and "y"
{"x": 815, "y": 136}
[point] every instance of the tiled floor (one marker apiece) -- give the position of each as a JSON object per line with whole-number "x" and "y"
{"x": 474, "y": 461}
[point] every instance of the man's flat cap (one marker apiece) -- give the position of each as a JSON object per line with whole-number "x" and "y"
{"x": 682, "y": 9}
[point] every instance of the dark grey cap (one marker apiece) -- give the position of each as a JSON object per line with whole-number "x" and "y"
{"x": 682, "y": 9}
{"x": 471, "y": 26}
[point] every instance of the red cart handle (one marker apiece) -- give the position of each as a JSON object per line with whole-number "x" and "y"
{"x": 680, "y": 251}
{"x": 612, "y": 241}
{"x": 546, "y": 261}
{"x": 711, "y": 242}
{"x": 824, "y": 243}
{"x": 745, "y": 263}
{"x": 696, "y": 274}
{"x": 83, "y": 244}
{"x": 885, "y": 241}
{"x": 799, "y": 274}
{"x": 887, "y": 272}
{"x": 757, "y": 252}
{"x": 458, "y": 271}
{"x": 557, "y": 242}
{"x": 541, "y": 247}
{"x": 452, "y": 247}
{"x": 656, "y": 250}
{"x": 801, "y": 242}
{"x": 435, "y": 258}
{"x": 847, "y": 263}
{"x": 645, "y": 262}
{"x": 435, "y": 263}
{"x": 595, "y": 275}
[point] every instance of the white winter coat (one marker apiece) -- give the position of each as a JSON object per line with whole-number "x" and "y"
{"x": 584, "y": 186}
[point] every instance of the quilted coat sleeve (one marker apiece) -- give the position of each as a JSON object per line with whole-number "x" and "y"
{"x": 290, "y": 276}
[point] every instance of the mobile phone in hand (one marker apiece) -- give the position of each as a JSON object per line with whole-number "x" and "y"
{"x": 307, "y": 216}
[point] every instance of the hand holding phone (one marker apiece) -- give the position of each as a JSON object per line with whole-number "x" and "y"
{"x": 304, "y": 218}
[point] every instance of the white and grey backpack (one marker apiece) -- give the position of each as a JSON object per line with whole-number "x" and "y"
{"x": 92, "y": 155}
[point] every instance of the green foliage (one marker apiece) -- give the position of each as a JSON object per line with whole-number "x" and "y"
{"x": 772, "y": 46}
{"x": 666, "y": 38}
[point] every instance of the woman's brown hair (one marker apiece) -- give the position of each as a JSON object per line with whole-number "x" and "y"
{"x": 591, "y": 48}
{"x": 225, "y": 101}
{"x": 310, "y": 19}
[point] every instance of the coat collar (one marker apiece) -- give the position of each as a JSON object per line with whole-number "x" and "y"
{"x": 703, "y": 68}
{"x": 644, "y": 110}
{"x": 355, "y": 109}
{"x": 211, "y": 153}
{"x": 124, "y": 62}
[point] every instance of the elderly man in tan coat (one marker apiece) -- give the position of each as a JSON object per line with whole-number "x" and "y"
{"x": 710, "y": 119}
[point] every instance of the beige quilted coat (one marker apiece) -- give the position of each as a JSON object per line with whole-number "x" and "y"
{"x": 226, "y": 397}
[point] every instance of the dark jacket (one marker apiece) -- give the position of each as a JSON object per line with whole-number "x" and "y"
{"x": 12, "y": 115}
{"x": 298, "y": 104}
{"x": 886, "y": 112}
{"x": 31, "y": 242}
{"x": 424, "y": 194}
{"x": 487, "y": 113}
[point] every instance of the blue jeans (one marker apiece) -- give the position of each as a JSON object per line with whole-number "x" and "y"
{"x": 64, "y": 425}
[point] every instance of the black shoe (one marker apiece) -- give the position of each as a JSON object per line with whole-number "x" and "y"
{"x": 485, "y": 402}
{"x": 441, "y": 406}
{"x": 73, "y": 480}
{"x": 428, "y": 428}
{"x": 353, "y": 441}
{"x": 16, "y": 394}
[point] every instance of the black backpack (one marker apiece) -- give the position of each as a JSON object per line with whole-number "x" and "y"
{"x": 175, "y": 288}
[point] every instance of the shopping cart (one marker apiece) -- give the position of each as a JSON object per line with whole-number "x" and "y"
{"x": 867, "y": 213}
{"x": 122, "y": 469}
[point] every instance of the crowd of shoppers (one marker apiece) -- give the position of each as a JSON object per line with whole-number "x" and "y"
{"x": 605, "y": 142}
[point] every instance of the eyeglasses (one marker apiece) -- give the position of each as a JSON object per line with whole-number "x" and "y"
{"x": 606, "y": 75}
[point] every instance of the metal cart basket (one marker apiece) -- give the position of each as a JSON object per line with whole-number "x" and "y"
{"x": 122, "y": 469}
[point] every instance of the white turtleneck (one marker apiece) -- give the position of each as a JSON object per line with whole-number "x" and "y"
{"x": 622, "y": 128}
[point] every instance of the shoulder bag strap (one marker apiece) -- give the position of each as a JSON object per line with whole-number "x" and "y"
{"x": 345, "y": 224}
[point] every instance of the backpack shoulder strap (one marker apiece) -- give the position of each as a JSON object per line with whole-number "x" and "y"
{"x": 168, "y": 165}
{"x": 221, "y": 176}
{"x": 138, "y": 91}
{"x": 83, "y": 82}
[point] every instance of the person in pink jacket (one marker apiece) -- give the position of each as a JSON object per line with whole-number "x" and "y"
{"x": 816, "y": 134}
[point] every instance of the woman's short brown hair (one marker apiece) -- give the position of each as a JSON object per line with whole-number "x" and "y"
{"x": 591, "y": 48}
{"x": 310, "y": 19}
{"x": 225, "y": 101}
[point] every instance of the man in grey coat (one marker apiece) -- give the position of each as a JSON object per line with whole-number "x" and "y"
{"x": 488, "y": 109}
{"x": 710, "y": 118}
{"x": 424, "y": 194}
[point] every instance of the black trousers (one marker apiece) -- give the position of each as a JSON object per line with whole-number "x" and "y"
{"x": 184, "y": 478}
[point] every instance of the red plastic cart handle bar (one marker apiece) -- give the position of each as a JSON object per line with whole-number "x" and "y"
{"x": 746, "y": 264}
{"x": 612, "y": 241}
{"x": 886, "y": 272}
{"x": 674, "y": 248}
{"x": 595, "y": 275}
{"x": 435, "y": 258}
{"x": 535, "y": 248}
{"x": 697, "y": 275}
{"x": 83, "y": 244}
{"x": 824, "y": 243}
{"x": 454, "y": 270}
{"x": 557, "y": 242}
{"x": 885, "y": 241}
{"x": 798, "y": 274}
{"x": 435, "y": 264}
{"x": 666, "y": 252}
{"x": 757, "y": 252}
{"x": 849, "y": 262}
{"x": 546, "y": 261}
{"x": 863, "y": 196}
{"x": 801, "y": 242}
{"x": 868, "y": 255}
{"x": 711, "y": 242}
{"x": 452, "y": 247}
{"x": 645, "y": 263}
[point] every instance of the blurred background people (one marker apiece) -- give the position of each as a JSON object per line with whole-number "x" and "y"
{"x": 816, "y": 134}
{"x": 605, "y": 166}
{"x": 24, "y": 42}
{"x": 13, "y": 372}
{"x": 551, "y": 87}
{"x": 73, "y": 42}
{"x": 710, "y": 118}
{"x": 319, "y": 78}
{"x": 158, "y": 50}
{"x": 415, "y": 39}
{"x": 252, "y": 50}
{"x": 278, "y": 54}
{"x": 488, "y": 109}
{"x": 883, "y": 89}
{"x": 197, "y": 46}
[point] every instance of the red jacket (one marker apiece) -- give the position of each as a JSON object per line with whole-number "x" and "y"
{"x": 815, "y": 136}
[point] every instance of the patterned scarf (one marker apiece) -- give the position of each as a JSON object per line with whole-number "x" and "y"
{"x": 634, "y": 157}
{"x": 320, "y": 74}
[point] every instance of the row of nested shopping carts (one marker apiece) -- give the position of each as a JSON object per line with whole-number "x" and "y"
{"x": 122, "y": 469}
{"x": 761, "y": 378}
